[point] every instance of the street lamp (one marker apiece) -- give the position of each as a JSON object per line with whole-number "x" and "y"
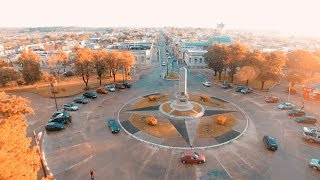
{"x": 53, "y": 84}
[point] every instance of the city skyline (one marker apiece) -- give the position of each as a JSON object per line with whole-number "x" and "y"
{"x": 285, "y": 16}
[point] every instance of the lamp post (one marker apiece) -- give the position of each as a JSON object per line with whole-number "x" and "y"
{"x": 53, "y": 84}
{"x": 289, "y": 90}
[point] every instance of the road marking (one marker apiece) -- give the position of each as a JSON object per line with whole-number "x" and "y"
{"x": 80, "y": 163}
{"x": 168, "y": 170}
{"x": 222, "y": 165}
{"x": 241, "y": 158}
{"x": 145, "y": 162}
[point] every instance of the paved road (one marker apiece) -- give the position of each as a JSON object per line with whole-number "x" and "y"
{"x": 88, "y": 144}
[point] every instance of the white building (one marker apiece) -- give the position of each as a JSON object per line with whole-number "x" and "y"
{"x": 195, "y": 58}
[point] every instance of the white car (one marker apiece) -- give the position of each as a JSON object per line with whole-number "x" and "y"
{"x": 110, "y": 88}
{"x": 315, "y": 164}
{"x": 163, "y": 63}
{"x": 70, "y": 107}
{"x": 206, "y": 83}
{"x": 286, "y": 105}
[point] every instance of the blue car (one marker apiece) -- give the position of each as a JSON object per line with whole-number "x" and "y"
{"x": 54, "y": 126}
{"x": 114, "y": 126}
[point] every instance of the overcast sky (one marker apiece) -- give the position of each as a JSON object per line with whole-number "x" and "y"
{"x": 292, "y": 16}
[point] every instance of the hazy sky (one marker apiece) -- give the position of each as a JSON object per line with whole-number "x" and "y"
{"x": 293, "y": 16}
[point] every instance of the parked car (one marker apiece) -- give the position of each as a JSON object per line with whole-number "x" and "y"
{"x": 192, "y": 157}
{"x": 272, "y": 99}
{"x": 81, "y": 100}
{"x": 246, "y": 90}
{"x": 286, "y": 105}
{"x": 120, "y": 86}
{"x": 54, "y": 126}
{"x": 239, "y": 88}
{"x": 91, "y": 95}
{"x": 70, "y": 107}
{"x": 110, "y": 88}
{"x": 296, "y": 112}
{"x": 315, "y": 164}
{"x": 163, "y": 63}
{"x": 127, "y": 85}
{"x": 312, "y": 134}
{"x": 114, "y": 126}
{"x": 306, "y": 119}
{"x": 61, "y": 117}
{"x": 102, "y": 91}
{"x": 226, "y": 86}
{"x": 206, "y": 83}
{"x": 270, "y": 143}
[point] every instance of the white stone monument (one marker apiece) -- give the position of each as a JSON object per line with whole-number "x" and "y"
{"x": 182, "y": 103}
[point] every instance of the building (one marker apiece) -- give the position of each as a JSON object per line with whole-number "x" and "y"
{"x": 1, "y": 51}
{"x": 195, "y": 57}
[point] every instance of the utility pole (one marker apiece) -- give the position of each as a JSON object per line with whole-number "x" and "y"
{"x": 54, "y": 95}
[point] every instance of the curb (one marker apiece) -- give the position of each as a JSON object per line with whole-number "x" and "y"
{"x": 47, "y": 169}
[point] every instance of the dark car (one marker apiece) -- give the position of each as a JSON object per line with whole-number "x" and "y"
{"x": 246, "y": 90}
{"x": 114, "y": 126}
{"x": 296, "y": 112}
{"x": 306, "y": 119}
{"x": 91, "y": 95}
{"x": 127, "y": 85}
{"x": 272, "y": 99}
{"x": 70, "y": 107}
{"x": 192, "y": 157}
{"x": 120, "y": 86}
{"x": 102, "y": 91}
{"x": 54, "y": 126}
{"x": 61, "y": 117}
{"x": 81, "y": 100}
{"x": 270, "y": 143}
{"x": 226, "y": 86}
{"x": 239, "y": 88}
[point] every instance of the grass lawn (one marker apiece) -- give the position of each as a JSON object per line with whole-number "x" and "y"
{"x": 66, "y": 87}
{"x": 146, "y": 102}
{"x": 162, "y": 129}
{"x": 209, "y": 126}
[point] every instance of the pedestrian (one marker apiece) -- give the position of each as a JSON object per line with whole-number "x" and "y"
{"x": 91, "y": 174}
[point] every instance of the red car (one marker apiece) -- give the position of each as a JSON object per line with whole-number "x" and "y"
{"x": 120, "y": 86}
{"x": 102, "y": 91}
{"x": 272, "y": 99}
{"x": 192, "y": 157}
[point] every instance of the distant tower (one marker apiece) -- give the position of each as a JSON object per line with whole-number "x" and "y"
{"x": 219, "y": 29}
{"x": 220, "y": 25}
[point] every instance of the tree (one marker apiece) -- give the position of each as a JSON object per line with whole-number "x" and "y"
{"x": 302, "y": 60}
{"x": 18, "y": 159}
{"x": 56, "y": 62}
{"x": 215, "y": 58}
{"x": 248, "y": 73}
{"x": 100, "y": 60}
{"x": 129, "y": 60}
{"x": 8, "y": 74}
{"x": 270, "y": 65}
{"x": 83, "y": 64}
{"x": 30, "y": 63}
{"x": 236, "y": 55}
{"x": 116, "y": 62}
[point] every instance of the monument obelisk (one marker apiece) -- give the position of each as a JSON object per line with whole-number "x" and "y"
{"x": 182, "y": 102}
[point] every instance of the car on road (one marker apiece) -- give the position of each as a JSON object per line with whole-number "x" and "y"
{"x": 192, "y": 157}
{"x": 206, "y": 83}
{"x": 127, "y": 85}
{"x": 81, "y": 100}
{"x": 306, "y": 119}
{"x": 286, "y": 105}
{"x": 91, "y": 95}
{"x": 239, "y": 88}
{"x": 246, "y": 90}
{"x": 163, "y": 63}
{"x": 102, "y": 91}
{"x": 272, "y": 99}
{"x": 54, "y": 126}
{"x": 114, "y": 126}
{"x": 270, "y": 143}
{"x": 110, "y": 88}
{"x": 315, "y": 164}
{"x": 296, "y": 112}
{"x": 226, "y": 86}
{"x": 120, "y": 86}
{"x": 70, "y": 107}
